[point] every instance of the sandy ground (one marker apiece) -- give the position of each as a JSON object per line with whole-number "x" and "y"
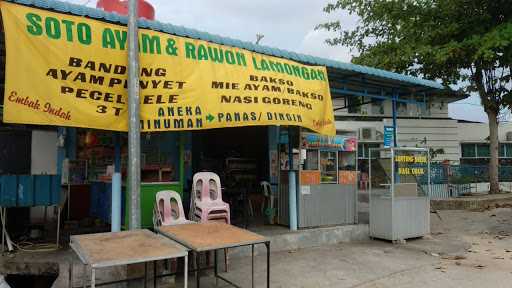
{"x": 466, "y": 249}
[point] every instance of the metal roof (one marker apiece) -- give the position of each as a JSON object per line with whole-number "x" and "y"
{"x": 94, "y": 13}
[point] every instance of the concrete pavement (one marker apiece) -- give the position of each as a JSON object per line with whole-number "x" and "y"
{"x": 466, "y": 249}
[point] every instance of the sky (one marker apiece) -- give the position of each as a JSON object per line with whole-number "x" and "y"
{"x": 287, "y": 24}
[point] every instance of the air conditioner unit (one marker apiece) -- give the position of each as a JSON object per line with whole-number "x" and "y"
{"x": 367, "y": 133}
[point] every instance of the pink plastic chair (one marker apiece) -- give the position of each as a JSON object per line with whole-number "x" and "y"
{"x": 207, "y": 202}
{"x": 363, "y": 181}
{"x": 169, "y": 209}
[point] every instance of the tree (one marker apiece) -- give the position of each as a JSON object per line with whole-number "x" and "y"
{"x": 467, "y": 43}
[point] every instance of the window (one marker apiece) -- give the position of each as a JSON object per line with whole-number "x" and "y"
{"x": 468, "y": 150}
{"x": 346, "y": 160}
{"x": 311, "y": 162}
{"x": 328, "y": 167}
{"x": 482, "y": 150}
{"x": 354, "y": 104}
{"x": 508, "y": 150}
{"x": 505, "y": 150}
{"x": 360, "y": 150}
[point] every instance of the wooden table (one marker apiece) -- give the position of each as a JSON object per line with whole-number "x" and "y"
{"x": 212, "y": 236}
{"x": 122, "y": 248}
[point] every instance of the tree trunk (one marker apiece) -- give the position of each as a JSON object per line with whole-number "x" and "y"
{"x": 493, "y": 147}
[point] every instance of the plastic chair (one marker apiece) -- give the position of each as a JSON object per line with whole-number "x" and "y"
{"x": 363, "y": 181}
{"x": 169, "y": 209}
{"x": 267, "y": 192}
{"x": 207, "y": 202}
{"x": 198, "y": 189}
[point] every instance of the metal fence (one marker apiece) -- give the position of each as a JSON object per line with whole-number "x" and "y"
{"x": 441, "y": 191}
{"x": 456, "y": 180}
{"x": 464, "y": 174}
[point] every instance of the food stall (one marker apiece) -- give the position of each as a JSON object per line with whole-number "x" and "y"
{"x": 399, "y": 185}
{"x": 327, "y": 193}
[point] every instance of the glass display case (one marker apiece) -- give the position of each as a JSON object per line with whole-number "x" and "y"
{"x": 327, "y": 179}
{"x": 399, "y": 189}
{"x": 328, "y": 167}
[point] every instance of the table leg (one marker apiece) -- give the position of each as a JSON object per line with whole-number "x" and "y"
{"x": 2, "y": 215}
{"x": 84, "y": 282}
{"x": 268, "y": 263}
{"x": 198, "y": 271}
{"x": 215, "y": 267}
{"x": 226, "y": 260}
{"x": 145, "y": 274}
{"x": 58, "y": 227}
{"x": 185, "y": 276}
{"x": 93, "y": 278}
{"x": 71, "y": 273}
{"x": 252, "y": 265}
{"x": 154, "y": 274}
{"x": 69, "y": 199}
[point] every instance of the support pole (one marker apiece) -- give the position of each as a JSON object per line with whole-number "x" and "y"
{"x": 59, "y": 210}
{"x": 2, "y": 218}
{"x": 394, "y": 99}
{"x": 116, "y": 186}
{"x": 185, "y": 273}
{"x": 134, "y": 116}
{"x": 292, "y": 187}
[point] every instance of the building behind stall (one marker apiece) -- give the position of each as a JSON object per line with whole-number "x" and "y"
{"x": 421, "y": 125}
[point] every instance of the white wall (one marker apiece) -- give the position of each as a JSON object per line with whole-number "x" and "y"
{"x": 43, "y": 161}
{"x": 355, "y": 125}
{"x": 412, "y": 132}
{"x": 447, "y": 134}
{"x": 478, "y": 132}
{"x": 433, "y": 133}
{"x": 44, "y": 152}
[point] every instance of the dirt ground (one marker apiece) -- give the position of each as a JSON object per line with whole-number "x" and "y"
{"x": 465, "y": 249}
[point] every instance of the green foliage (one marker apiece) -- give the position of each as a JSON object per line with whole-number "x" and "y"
{"x": 433, "y": 153}
{"x": 461, "y": 180}
{"x": 463, "y": 42}
{"x": 466, "y": 42}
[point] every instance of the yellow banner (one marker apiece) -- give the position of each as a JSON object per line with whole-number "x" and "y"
{"x": 72, "y": 71}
